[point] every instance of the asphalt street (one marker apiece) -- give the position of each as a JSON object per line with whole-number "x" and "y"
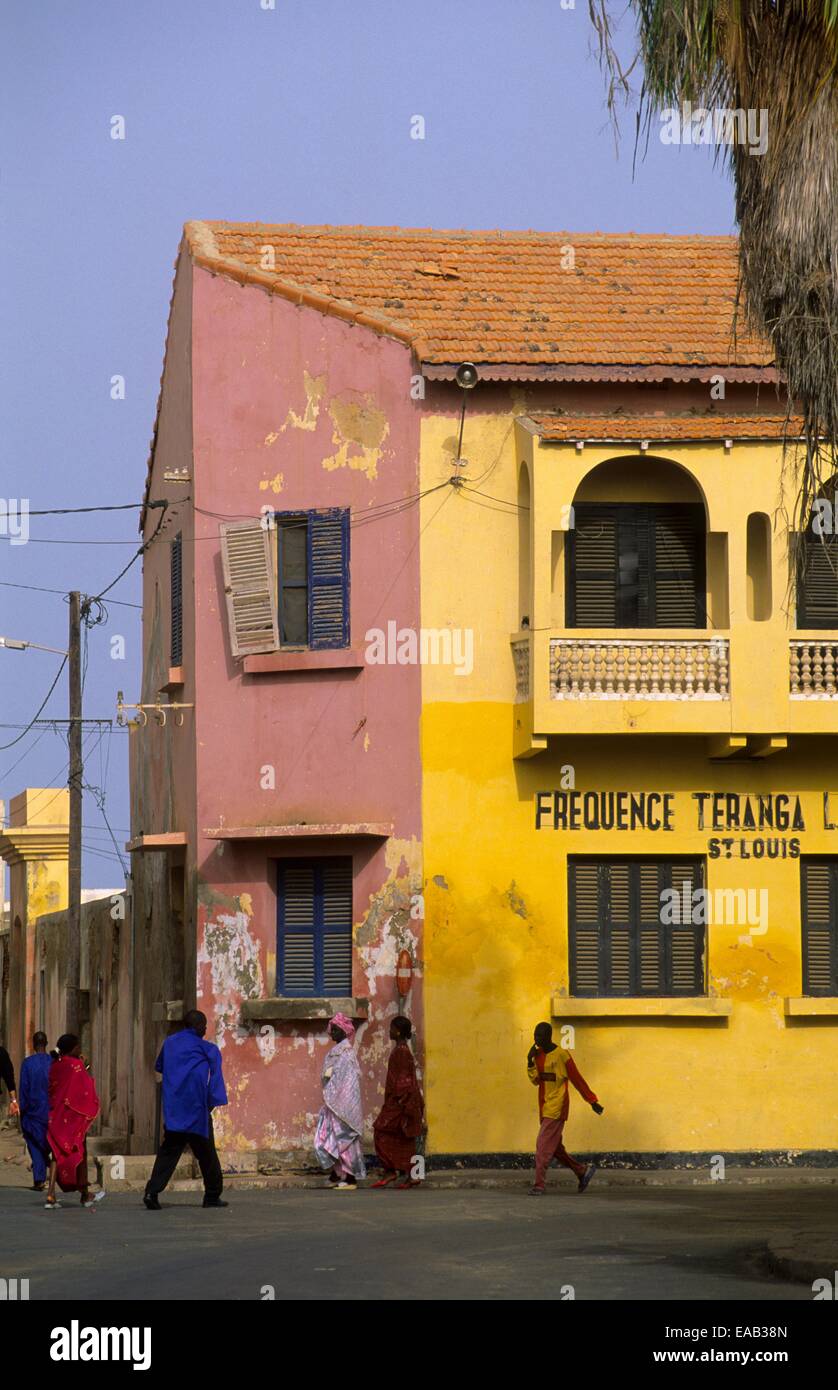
{"x": 662, "y": 1244}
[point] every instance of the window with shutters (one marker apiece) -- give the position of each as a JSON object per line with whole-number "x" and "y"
{"x": 287, "y": 583}
{"x": 313, "y": 583}
{"x": 819, "y": 892}
{"x": 817, "y": 579}
{"x": 619, "y": 944}
{"x": 176, "y": 590}
{"x": 637, "y": 566}
{"x": 314, "y": 906}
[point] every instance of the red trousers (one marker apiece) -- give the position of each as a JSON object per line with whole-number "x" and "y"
{"x": 549, "y": 1145}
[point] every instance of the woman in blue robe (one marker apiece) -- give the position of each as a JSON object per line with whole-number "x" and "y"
{"x": 33, "y": 1098}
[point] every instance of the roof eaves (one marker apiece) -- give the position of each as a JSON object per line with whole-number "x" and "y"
{"x": 204, "y": 251}
{"x": 586, "y": 372}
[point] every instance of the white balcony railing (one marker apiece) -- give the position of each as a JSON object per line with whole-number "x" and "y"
{"x": 618, "y": 668}
{"x": 521, "y": 657}
{"x": 813, "y": 670}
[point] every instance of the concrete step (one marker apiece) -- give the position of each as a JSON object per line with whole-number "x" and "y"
{"x": 128, "y": 1172}
{"x": 187, "y": 1178}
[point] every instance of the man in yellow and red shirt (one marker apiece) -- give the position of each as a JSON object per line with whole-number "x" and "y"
{"x": 550, "y": 1068}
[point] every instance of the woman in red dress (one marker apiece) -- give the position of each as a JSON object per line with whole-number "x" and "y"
{"x": 400, "y": 1122}
{"x": 73, "y": 1106}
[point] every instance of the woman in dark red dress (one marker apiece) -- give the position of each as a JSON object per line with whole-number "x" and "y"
{"x": 400, "y": 1122}
{"x": 73, "y": 1106}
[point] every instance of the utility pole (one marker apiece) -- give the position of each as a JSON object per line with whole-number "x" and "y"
{"x": 74, "y": 783}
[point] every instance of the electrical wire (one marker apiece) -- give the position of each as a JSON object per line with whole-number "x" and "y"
{"x": 39, "y": 589}
{"x": 9, "y": 770}
{"x": 4, "y": 746}
{"x": 141, "y": 551}
{"x": 71, "y": 511}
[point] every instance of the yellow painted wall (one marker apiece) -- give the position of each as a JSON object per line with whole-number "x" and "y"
{"x": 496, "y": 942}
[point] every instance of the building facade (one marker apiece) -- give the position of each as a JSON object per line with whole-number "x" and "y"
{"x": 517, "y": 687}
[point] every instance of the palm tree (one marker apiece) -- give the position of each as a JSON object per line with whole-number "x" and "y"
{"x": 780, "y": 56}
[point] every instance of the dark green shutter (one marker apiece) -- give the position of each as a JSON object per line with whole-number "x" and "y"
{"x": 585, "y": 916}
{"x": 636, "y": 566}
{"x": 618, "y": 929}
{"x": 683, "y": 942}
{"x": 176, "y": 591}
{"x": 592, "y": 568}
{"x": 328, "y": 578}
{"x": 817, "y": 585}
{"x": 679, "y": 581}
{"x": 819, "y": 878}
{"x": 619, "y": 947}
{"x": 651, "y": 952}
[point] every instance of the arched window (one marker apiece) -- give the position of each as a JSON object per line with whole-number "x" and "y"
{"x": 637, "y": 564}
{"x": 817, "y": 563}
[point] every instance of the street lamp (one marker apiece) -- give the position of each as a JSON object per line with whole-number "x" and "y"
{"x": 14, "y": 644}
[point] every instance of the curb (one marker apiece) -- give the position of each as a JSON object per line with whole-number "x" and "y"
{"x": 806, "y": 1260}
{"x": 518, "y": 1180}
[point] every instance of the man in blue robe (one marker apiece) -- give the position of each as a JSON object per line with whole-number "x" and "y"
{"x": 193, "y": 1086}
{"x": 33, "y": 1099}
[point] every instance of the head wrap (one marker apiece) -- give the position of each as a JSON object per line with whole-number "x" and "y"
{"x": 345, "y": 1024}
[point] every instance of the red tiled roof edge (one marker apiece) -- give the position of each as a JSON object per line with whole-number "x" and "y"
{"x": 203, "y": 249}
{"x": 572, "y": 429}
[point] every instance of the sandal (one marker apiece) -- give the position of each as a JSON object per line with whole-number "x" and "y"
{"x": 385, "y": 1182}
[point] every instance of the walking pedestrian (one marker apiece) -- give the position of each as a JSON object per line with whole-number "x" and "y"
{"x": 73, "y": 1106}
{"x": 193, "y": 1086}
{"x": 550, "y": 1068}
{"x": 33, "y": 1099}
{"x": 399, "y": 1121}
{"x": 340, "y": 1124}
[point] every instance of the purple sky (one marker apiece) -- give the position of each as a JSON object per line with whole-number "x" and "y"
{"x": 301, "y": 113}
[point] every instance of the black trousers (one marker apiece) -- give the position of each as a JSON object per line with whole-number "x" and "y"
{"x": 168, "y": 1157}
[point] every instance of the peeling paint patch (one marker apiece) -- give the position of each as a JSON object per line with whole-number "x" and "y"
{"x": 276, "y": 484}
{"x": 360, "y": 429}
{"x": 232, "y": 953}
{"x": 270, "y": 439}
{"x": 314, "y": 389}
{"x": 513, "y": 900}
{"x": 440, "y": 882}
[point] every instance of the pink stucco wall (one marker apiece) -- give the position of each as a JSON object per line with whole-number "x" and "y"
{"x": 297, "y": 410}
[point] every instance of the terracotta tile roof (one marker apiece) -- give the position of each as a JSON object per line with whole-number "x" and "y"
{"x": 567, "y": 429}
{"x": 504, "y": 298}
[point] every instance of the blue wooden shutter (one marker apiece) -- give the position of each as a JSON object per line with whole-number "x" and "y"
{"x": 328, "y": 578}
{"x": 315, "y": 927}
{"x": 176, "y": 574}
{"x": 336, "y": 930}
{"x": 297, "y": 928}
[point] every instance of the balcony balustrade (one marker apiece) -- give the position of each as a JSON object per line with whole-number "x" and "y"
{"x": 621, "y": 668}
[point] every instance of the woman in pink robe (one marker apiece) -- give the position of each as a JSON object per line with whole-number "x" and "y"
{"x": 340, "y": 1124}
{"x": 73, "y": 1106}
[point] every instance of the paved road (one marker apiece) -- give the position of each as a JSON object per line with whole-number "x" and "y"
{"x": 650, "y": 1244}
